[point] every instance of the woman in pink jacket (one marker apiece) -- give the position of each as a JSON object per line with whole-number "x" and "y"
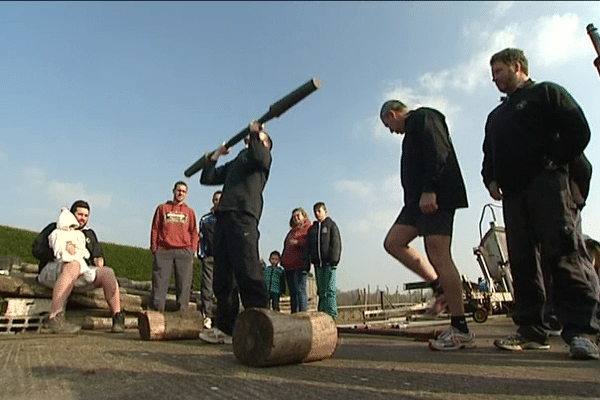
{"x": 292, "y": 259}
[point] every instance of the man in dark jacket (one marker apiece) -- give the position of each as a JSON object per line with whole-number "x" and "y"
{"x": 206, "y": 256}
{"x": 62, "y": 277}
{"x": 237, "y": 263}
{"x": 433, "y": 190}
{"x": 533, "y": 142}
{"x": 324, "y": 248}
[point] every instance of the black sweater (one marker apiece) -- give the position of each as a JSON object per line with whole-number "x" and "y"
{"x": 243, "y": 179}
{"x": 537, "y": 124}
{"x": 429, "y": 163}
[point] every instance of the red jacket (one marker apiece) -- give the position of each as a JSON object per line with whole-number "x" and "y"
{"x": 293, "y": 247}
{"x": 174, "y": 227}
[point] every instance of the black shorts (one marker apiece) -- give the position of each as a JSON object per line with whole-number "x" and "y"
{"x": 438, "y": 223}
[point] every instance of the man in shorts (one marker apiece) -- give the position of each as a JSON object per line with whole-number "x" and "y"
{"x": 63, "y": 277}
{"x": 433, "y": 190}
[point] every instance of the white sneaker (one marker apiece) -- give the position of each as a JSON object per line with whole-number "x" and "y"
{"x": 215, "y": 336}
{"x": 436, "y": 307}
{"x": 207, "y": 323}
{"x": 452, "y": 339}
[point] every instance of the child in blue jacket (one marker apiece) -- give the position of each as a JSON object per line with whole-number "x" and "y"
{"x": 275, "y": 279}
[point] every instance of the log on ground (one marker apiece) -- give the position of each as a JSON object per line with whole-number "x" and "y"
{"x": 263, "y": 337}
{"x": 154, "y": 325}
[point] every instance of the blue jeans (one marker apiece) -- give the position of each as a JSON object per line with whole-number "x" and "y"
{"x": 326, "y": 289}
{"x": 296, "y": 281}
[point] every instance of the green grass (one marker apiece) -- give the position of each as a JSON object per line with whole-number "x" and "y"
{"x": 17, "y": 242}
{"x": 128, "y": 262}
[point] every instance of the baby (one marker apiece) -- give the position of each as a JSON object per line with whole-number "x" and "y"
{"x": 68, "y": 244}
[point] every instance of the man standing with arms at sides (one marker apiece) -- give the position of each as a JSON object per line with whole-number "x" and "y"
{"x": 174, "y": 243}
{"x": 433, "y": 190}
{"x": 531, "y": 140}
{"x": 206, "y": 256}
{"x": 238, "y": 269}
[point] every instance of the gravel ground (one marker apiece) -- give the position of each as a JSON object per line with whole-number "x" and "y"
{"x": 100, "y": 365}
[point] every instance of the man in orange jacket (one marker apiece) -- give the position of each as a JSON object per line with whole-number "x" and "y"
{"x": 174, "y": 243}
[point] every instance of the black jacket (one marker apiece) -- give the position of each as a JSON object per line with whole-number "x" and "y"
{"x": 429, "y": 163}
{"x": 243, "y": 179}
{"x": 324, "y": 244}
{"x": 41, "y": 250}
{"x": 206, "y": 232}
{"x": 539, "y": 124}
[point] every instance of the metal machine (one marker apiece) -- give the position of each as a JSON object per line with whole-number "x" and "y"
{"x": 496, "y": 295}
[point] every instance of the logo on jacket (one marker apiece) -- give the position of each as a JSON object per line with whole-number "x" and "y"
{"x": 324, "y": 230}
{"x": 176, "y": 217}
{"x": 521, "y": 105}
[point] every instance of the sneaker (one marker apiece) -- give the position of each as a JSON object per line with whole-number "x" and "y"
{"x": 59, "y": 324}
{"x": 118, "y": 325}
{"x": 516, "y": 342}
{"x": 215, "y": 336}
{"x": 552, "y": 326}
{"x": 582, "y": 348}
{"x": 207, "y": 323}
{"x": 437, "y": 306}
{"x": 452, "y": 339}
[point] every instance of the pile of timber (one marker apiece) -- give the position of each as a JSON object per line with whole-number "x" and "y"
{"x": 22, "y": 295}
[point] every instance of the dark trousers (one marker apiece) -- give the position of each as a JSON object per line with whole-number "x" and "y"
{"x": 543, "y": 234}
{"x": 207, "y": 294}
{"x": 237, "y": 268}
{"x": 274, "y": 300}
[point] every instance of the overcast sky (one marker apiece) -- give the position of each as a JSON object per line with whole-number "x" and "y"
{"x": 111, "y": 101}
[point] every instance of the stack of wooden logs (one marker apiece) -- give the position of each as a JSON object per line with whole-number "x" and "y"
{"x": 19, "y": 282}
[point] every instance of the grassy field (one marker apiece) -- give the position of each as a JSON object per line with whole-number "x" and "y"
{"x": 128, "y": 262}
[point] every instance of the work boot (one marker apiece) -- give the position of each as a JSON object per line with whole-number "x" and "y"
{"x": 118, "y": 323}
{"x": 59, "y": 324}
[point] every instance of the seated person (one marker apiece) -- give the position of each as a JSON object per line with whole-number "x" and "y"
{"x": 68, "y": 244}
{"x": 63, "y": 274}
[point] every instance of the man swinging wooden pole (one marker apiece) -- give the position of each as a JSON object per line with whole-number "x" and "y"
{"x": 275, "y": 110}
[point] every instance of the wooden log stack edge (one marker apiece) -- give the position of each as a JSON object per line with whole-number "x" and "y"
{"x": 102, "y": 323}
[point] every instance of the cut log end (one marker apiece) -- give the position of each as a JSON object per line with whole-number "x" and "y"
{"x": 253, "y": 337}
{"x": 151, "y": 325}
